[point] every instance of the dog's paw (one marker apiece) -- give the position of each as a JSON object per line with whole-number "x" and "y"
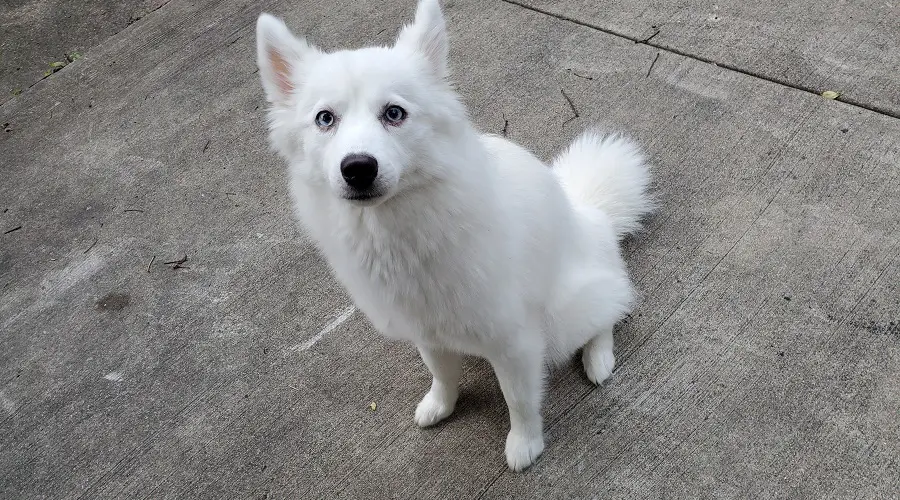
{"x": 432, "y": 409}
{"x": 522, "y": 450}
{"x": 598, "y": 363}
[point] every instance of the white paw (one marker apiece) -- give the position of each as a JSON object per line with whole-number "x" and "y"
{"x": 522, "y": 451}
{"x": 432, "y": 409}
{"x": 598, "y": 363}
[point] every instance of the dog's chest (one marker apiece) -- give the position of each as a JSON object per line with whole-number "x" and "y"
{"x": 411, "y": 287}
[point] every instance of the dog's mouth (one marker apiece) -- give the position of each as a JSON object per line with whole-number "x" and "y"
{"x": 367, "y": 198}
{"x": 362, "y": 197}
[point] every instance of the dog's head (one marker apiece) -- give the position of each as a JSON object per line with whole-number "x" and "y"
{"x": 361, "y": 123}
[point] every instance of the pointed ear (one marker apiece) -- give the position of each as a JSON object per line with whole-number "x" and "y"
{"x": 280, "y": 57}
{"x": 428, "y": 36}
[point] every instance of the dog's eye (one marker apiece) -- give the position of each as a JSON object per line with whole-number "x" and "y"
{"x": 325, "y": 119}
{"x": 394, "y": 115}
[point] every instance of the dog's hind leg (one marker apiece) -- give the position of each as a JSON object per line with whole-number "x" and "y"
{"x": 446, "y": 370}
{"x": 585, "y": 319}
{"x": 598, "y": 358}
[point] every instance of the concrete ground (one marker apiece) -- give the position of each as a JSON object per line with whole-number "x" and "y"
{"x": 167, "y": 331}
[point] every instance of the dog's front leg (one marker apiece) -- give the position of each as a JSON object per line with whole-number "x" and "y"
{"x": 521, "y": 378}
{"x": 446, "y": 370}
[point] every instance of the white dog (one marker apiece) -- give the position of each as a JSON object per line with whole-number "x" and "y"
{"x": 461, "y": 243}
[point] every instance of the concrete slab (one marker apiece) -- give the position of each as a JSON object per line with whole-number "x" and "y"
{"x": 763, "y": 360}
{"x": 848, "y": 47}
{"x": 37, "y": 33}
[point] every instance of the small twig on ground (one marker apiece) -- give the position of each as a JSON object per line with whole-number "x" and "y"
{"x": 571, "y": 105}
{"x": 133, "y": 210}
{"x": 645, "y": 40}
{"x": 151, "y": 263}
{"x": 206, "y": 146}
{"x": 92, "y": 245}
{"x": 505, "y": 126}
{"x": 580, "y": 76}
{"x": 12, "y": 230}
{"x": 652, "y": 64}
{"x": 177, "y": 263}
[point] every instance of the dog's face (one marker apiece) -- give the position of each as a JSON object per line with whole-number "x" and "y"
{"x": 358, "y": 123}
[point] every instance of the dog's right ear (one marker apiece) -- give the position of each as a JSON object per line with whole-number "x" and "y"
{"x": 280, "y": 56}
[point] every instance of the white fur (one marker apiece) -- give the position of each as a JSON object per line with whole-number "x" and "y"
{"x": 475, "y": 246}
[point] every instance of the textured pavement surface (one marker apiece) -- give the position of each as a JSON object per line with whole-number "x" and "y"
{"x": 763, "y": 360}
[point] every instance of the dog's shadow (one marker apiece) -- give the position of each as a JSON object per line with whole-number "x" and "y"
{"x": 481, "y": 399}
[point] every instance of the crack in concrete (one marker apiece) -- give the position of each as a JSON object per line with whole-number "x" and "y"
{"x": 648, "y": 42}
{"x": 130, "y": 23}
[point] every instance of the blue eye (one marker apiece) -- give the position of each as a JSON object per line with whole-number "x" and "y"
{"x": 325, "y": 119}
{"x": 394, "y": 115}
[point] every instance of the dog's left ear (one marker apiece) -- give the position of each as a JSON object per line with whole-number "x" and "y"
{"x": 428, "y": 35}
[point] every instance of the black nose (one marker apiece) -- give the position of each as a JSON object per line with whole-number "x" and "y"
{"x": 359, "y": 170}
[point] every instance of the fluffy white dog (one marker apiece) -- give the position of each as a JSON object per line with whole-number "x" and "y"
{"x": 459, "y": 242}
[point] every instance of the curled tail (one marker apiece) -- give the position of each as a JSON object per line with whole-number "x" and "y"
{"x": 610, "y": 174}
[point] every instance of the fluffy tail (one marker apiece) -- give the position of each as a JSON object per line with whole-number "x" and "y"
{"x": 610, "y": 174}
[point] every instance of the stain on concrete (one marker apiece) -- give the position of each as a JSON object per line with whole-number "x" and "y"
{"x": 113, "y": 302}
{"x": 872, "y": 326}
{"x": 881, "y": 327}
